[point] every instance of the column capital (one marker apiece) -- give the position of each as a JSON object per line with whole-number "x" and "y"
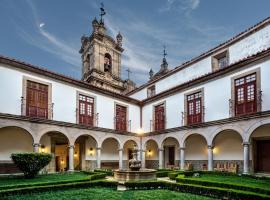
{"x": 246, "y": 143}
{"x": 98, "y": 148}
{"x": 71, "y": 146}
{"x": 210, "y": 146}
{"x": 36, "y": 144}
{"x": 160, "y": 149}
{"x": 120, "y": 149}
{"x": 182, "y": 148}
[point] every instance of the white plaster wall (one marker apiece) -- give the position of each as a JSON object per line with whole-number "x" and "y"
{"x": 90, "y": 143}
{"x": 63, "y": 97}
{"x": 195, "y": 148}
{"x": 46, "y": 141}
{"x": 250, "y": 45}
{"x": 14, "y": 140}
{"x": 216, "y": 98}
{"x": 228, "y": 146}
{"x": 263, "y": 131}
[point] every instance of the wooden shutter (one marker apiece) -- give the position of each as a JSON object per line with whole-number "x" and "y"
{"x": 86, "y": 110}
{"x": 159, "y": 117}
{"x": 245, "y": 95}
{"x": 36, "y": 100}
{"x": 194, "y": 108}
{"x": 121, "y": 118}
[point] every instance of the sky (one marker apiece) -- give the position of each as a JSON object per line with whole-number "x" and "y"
{"x": 47, "y": 33}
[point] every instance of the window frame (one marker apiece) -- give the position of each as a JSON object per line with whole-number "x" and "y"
{"x": 217, "y": 56}
{"x": 25, "y": 79}
{"x": 128, "y": 125}
{"x": 149, "y": 91}
{"x": 153, "y": 128}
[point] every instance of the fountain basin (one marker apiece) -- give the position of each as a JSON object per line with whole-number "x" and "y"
{"x": 131, "y": 175}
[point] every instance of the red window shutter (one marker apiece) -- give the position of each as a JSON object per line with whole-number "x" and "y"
{"x": 245, "y": 95}
{"x": 159, "y": 117}
{"x": 86, "y": 110}
{"x": 36, "y": 100}
{"x": 194, "y": 108}
{"x": 121, "y": 118}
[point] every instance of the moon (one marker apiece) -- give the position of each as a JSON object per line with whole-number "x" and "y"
{"x": 41, "y": 25}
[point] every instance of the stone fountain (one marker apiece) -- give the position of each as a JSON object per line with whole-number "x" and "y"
{"x": 134, "y": 173}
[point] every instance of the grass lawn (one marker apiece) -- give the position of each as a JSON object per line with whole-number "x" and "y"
{"x": 7, "y": 181}
{"x": 265, "y": 184}
{"x": 100, "y": 193}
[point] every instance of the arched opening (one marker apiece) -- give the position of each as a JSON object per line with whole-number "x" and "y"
{"x": 13, "y": 140}
{"x": 170, "y": 154}
{"x": 57, "y": 144}
{"x": 260, "y": 146}
{"x": 151, "y": 154}
{"x": 228, "y": 151}
{"x": 128, "y": 149}
{"x": 107, "y": 63}
{"x": 196, "y": 152}
{"x": 85, "y": 153}
{"x": 110, "y": 154}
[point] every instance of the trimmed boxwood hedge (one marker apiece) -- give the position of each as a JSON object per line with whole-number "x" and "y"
{"x": 31, "y": 163}
{"x": 109, "y": 172}
{"x": 53, "y": 187}
{"x": 92, "y": 176}
{"x": 182, "y": 179}
{"x": 221, "y": 193}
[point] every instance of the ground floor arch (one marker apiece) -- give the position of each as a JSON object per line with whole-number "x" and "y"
{"x": 259, "y": 142}
{"x": 128, "y": 149}
{"x": 110, "y": 153}
{"x": 228, "y": 151}
{"x": 171, "y": 156}
{"x": 13, "y": 140}
{"x": 196, "y": 152}
{"x": 151, "y": 152}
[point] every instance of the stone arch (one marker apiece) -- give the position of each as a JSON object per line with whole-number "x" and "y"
{"x": 131, "y": 139}
{"x": 151, "y": 147}
{"x": 217, "y": 131}
{"x": 253, "y": 127}
{"x": 55, "y": 130}
{"x": 167, "y": 137}
{"x": 112, "y": 137}
{"x": 110, "y": 147}
{"x": 26, "y": 129}
{"x": 87, "y": 134}
{"x": 155, "y": 140}
{"x": 188, "y": 134}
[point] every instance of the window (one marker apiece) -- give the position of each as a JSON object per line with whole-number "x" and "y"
{"x": 194, "y": 108}
{"x": 159, "y": 123}
{"x": 121, "y": 118}
{"x": 107, "y": 63}
{"x": 151, "y": 91}
{"x": 245, "y": 95}
{"x": 36, "y": 100}
{"x": 86, "y": 110}
{"x": 220, "y": 60}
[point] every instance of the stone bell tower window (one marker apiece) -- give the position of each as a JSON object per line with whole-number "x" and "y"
{"x": 107, "y": 63}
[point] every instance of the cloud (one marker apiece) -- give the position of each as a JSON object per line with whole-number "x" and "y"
{"x": 185, "y": 6}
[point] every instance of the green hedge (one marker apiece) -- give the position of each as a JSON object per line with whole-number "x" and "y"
{"x": 163, "y": 173}
{"x": 109, "y": 172}
{"x": 45, "y": 188}
{"x": 92, "y": 176}
{"x": 215, "y": 192}
{"x": 182, "y": 179}
{"x": 31, "y": 163}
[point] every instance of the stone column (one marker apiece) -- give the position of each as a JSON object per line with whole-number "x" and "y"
{"x": 182, "y": 158}
{"x": 210, "y": 158}
{"x": 143, "y": 158}
{"x": 36, "y": 147}
{"x": 120, "y": 158}
{"x": 71, "y": 158}
{"x": 246, "y": 158}
{"x": 160, "y": 158}
{"x": 99, "y": 157}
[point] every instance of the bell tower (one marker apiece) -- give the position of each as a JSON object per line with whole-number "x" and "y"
{"x": 101, "y": 58}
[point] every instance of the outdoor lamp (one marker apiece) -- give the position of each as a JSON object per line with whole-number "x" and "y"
{"x": 42, "y": 148}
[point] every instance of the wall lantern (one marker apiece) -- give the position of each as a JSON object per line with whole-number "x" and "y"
{"x": 149, "y": 153}
{"x": 91, "y": 151}
{"x": 75, "y": 154}
{"x": 42, "y": 148}
{"x": 62, "y": 161}
{"x": 215, "y": 150}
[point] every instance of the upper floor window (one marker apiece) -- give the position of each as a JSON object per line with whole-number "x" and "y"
{"x": 194, "y": 108}
{"x": 86, "y": 110}
{"x": 151, "y": 91}
{"x": 121, "y": 118}
{"x": 36, "y": 100}
{"x": 159, "y": 116}
{"x": 107, "y": 63}
{"x": 245, "y": 94}
{"x": 220, "y": 60}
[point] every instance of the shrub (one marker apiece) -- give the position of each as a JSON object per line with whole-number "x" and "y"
{"x": 109, "y": 172}
{"x": 173, "y": 175}
{"x": 31, "y": 163}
